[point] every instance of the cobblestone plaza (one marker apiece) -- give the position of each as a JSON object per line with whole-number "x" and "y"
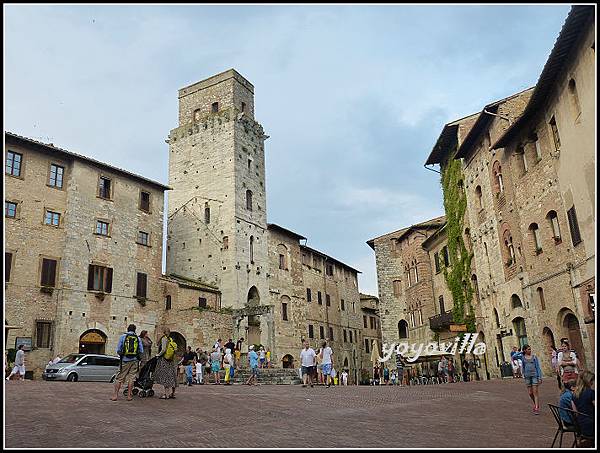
{"x": 476, "y": 414}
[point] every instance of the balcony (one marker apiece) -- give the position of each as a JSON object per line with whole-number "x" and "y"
{"x": 441, "y": 321}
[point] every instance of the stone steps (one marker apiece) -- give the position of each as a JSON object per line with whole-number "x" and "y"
{"x": 267, "y": 376}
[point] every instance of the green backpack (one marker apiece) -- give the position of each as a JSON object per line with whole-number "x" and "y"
{"x": 131, "y": 346}
{"x": 171, "y": 348}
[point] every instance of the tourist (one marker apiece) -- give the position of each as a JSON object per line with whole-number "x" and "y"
{"x": 465, "y": 370}
{"x": 334, "y": 376}
{"x": 262, "y": 356}
{"x": 473, "y": 370}
{"x": 215, "y": 364}
{"x": 532, "y": 374}
{"x": 188, "y": 361}
{"x": 376, "y": 375}
{"x": 400, "y": 368}
{"x": 515, "y": 364}
{"x": 165, "y": 373}
{"x": 201, "y": 366}
{"x": 451, "y": 369}
{"x": 228, "y": 365}
{"x": 268, "y": 355}
{"x": 554, "y": 365}
{"x": 394, "y": 377}
{"x": 307, "y": 362}
{"x": 217, "y": 345}
{"x": 319, "y": 368}
{"x": 443, "y": 369}
{"x": 345, "y": 377}
{"x": 386, "y": 375}
{"x": 230, "y": 345}
{"x": 129, "y": 349}
{"x": 238, "y": 353}
{"x": 253, "y": 362}
{"x": 567, "y": 362}
{"x": 19, "y": 367}
{"x": 584, "y": 401}
{"x": 146, "y": 348}
{"x": 327, "y": 363}
{"x": 565, "y": 402}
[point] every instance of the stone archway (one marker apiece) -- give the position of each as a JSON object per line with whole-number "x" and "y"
{"x": 254, "y": 330}
{"x": 573, "y": 332}
{"x": 92, "y": 341}
{"x": 287, "y": 361}
{"x": 181, "y": 343}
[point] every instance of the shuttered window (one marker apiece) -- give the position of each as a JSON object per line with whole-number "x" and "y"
{"x": 574, "y": 226}
{"x": 48, "y": 277}
{"x": 43, "y": 331}
{"x": 142, "y": 282}
{"x": 100, "y": 278}
{"x": 7, "y": 265}
{"x": 145, "y": 201}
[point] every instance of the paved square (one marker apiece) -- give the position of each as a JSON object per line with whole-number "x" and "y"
{"x": 477, "y": 414}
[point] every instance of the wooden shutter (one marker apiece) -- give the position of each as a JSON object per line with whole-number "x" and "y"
{"x": 7, "y": 265}
{"x": 48, "y": 272}
{"x": 108, "y": 279}
{"x": 574, "y": 226}
{"x": 141, "y": 285}
{"x": 91, "y": 277}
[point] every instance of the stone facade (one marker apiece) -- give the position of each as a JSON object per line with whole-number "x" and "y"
{"x": 533, "y": 280}
{"x": 404, "y": 278}
{"x": 371, "y": 334}
{"x": 55, "y": 314}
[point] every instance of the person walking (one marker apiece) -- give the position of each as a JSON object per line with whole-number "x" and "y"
{"x": 386, "y": 375}
{"x": 228, "y": 365}
{"x": 400, "y": 368}
{"x": 253, "y": 363}
{"x": 308, "y": 360}
{"x": 465, "y": 370}
{"x": 344, "y": 377}
{"x": 19, "y": 367}
{"x": 532, "y": 373}
{"x": 268, "y": 356}
{"x": 567, "y": 362}
{"x": 327, "y": 363}
{"x": 215, "y": 364}
{"x": 445, "y": 370}
{"x": 146, "y": 348}
{"x": 201, "y": 366}
{"x": 262, "y": 356}
{"x": 129, "y": 349}
{"x": 165, "y": 373}
{"x": 451, "y": 369}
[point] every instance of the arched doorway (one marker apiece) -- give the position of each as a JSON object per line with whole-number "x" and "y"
{"x": 92, "y": 341}
{"x": 287, "y": 361}
{"x": 402, "y": 329}
{"x": 571, "y": 327}
{"x": 181, "y": 343}
{"x": 253, "y": 320}
{"x": 549, "y": 343}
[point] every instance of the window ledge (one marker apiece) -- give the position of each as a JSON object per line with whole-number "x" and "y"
{"x": 15, "y": 176}
{"x": 139, "y": 243}
{"x": 62, "y": 189}
{"x": 103, "y": 198}
{"x": 102, "y": 235}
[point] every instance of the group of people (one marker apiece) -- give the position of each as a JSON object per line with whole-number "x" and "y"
{"x": 318, "y": 367}
{"x": 575, "y": 383}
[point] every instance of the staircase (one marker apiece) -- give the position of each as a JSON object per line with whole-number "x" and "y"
{"x": 267, "y": 376}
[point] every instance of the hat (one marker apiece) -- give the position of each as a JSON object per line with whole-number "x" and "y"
{"x": 251, "y": 347}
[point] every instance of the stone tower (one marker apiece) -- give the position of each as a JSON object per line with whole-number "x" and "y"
{"x": 217, "y": 225}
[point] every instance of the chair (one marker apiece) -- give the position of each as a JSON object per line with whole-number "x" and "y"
{"x": 563, "y": 428}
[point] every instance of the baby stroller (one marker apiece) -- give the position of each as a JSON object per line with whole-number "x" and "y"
{"x": 142, "y": 386}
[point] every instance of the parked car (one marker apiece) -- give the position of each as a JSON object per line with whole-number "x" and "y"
{"x": 83, "y": 367}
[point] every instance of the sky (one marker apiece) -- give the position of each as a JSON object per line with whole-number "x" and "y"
{"x": 353, "y": 97}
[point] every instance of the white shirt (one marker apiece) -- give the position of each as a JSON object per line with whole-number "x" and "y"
{"x": 307, "y": 357}
{"x": 570, "y": 357}
{"x": 20, "y": 358}
{"x": 327, "y": 353}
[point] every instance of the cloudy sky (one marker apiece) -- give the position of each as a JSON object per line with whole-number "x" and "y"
{"x": 353, "y": 97}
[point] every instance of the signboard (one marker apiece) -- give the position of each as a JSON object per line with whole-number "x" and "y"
{"x": 458, "y": 327}
{"x": 25, "y": 341}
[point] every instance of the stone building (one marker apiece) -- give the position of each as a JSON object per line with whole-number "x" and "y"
{"x": 404, "y": 279}
{"x": 83, "y": 245}
{"x": 371, "y": 333}
{"x": 532, "y": 284}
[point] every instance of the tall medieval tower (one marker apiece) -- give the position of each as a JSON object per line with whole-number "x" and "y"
{"x": 217, "y": 225}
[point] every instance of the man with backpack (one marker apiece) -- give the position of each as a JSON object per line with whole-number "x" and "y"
{"x": 129, "y": 349}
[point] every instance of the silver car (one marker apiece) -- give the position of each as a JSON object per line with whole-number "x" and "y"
{"x": 83, "y": 367}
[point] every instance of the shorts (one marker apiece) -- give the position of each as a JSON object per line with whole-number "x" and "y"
{"x": 307, "y": 370}
{"x": 19, "y": 369}
{"x": 127, "y": 372}
{"x": 531, "y": 381}
{"x": 326, "y": 369}
{"x": 262, "y": 360}
{"x": 215, "y": 367}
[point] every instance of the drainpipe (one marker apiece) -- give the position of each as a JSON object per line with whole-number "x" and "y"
{"x": 431, "y": 169}
{"x": 499, "y": 116}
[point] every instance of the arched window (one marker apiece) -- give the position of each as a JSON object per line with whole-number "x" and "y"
{"x": 509, "y": 248}
{"x": 540, "y": 293}
{"x": 498, "y": 181}
{"x": 441, "y": 302}
{"x": 475, "y": 287}
{"x": 479, "y": 197}
{"x": 252, "y": 249}
{"x": 553, "y": 219}
{"x": 168, "y": 303}
{"x": 249, "y": 200}
{"x": 536, "y": 144}
{"x": 574, "y": 99}
{"x": 283, "y": 253}
{"x": 285, "y": 304}
{"x": 537, "y": 241}
{"x": 515, "y": 301}
{"x": 206, "y": 213}
{"x": 519, "y": 325}
{"x": 408, "y": 278}
{"x": 523, "y": 158}
{"x": 496, "y": 318}
{"x": 416, "y": 271}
